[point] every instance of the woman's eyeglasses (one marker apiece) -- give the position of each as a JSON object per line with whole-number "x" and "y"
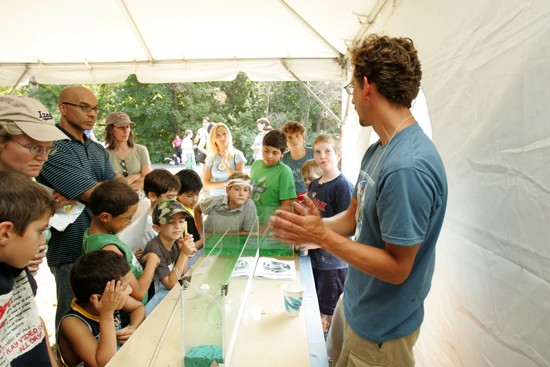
{"x": 37, "y": 149}
{"x": 124, "y": 168}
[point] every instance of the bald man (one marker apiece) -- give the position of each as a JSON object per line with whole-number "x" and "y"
{"x": 74, "y": 171}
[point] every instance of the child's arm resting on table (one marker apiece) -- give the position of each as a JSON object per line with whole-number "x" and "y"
{"x": 136, "y": 309}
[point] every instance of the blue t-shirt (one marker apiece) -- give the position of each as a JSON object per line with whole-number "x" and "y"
{"x": 219, "y": 173}
{"x": 401, "y": 199}
{"x": 330, "y": 198}
{"x": 296, "y": 167}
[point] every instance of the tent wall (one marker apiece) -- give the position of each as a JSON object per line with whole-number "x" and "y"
{"x": 486, "y": 69}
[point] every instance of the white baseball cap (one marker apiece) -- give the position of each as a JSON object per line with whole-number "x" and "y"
{"x": 31, "y": 117}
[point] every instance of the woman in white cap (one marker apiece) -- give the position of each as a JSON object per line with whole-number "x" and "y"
{"x": 128, "y": 159}
{"x": 27, "y": 133}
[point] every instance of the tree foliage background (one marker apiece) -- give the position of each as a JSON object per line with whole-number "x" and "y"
{"x": 162, "y": 110}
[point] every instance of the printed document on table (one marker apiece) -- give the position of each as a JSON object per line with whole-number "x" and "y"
{"x": 244, "y": 267}
{"x": 272, "y": 268}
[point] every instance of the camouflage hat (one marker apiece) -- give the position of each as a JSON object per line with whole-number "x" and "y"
{"x": 165, "y": 210}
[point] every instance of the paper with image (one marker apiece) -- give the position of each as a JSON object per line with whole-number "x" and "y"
{"x": 272, "y": 268}
{"x": 244, "y": 267}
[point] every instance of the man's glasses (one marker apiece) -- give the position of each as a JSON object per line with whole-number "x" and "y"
{"x": 124, "y": 168}
{"x": 349, "y": 88}
{"x": 84, "y": 107}
{"x": 37, "y": 149}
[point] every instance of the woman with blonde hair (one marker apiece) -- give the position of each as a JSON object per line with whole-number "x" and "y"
{"x": 223, "y": 160}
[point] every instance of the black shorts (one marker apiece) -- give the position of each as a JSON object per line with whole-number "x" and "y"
{"x": 329, "y": 285}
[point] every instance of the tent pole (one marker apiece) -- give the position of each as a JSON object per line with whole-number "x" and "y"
{"x": 327, "y": 108}
{"x": 27, "y": 68}
{"x": 312, "y": 28}
{"x": 137, "y": 31}
{"x": 370, "y": 19}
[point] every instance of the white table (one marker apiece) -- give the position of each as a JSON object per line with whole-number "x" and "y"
{"x": 266, "y": 335}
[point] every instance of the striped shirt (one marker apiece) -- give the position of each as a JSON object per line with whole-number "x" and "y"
{"x": 71, "y": 171}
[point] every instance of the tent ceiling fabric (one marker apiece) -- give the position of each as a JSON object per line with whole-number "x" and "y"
{"x": 61, "y": 41}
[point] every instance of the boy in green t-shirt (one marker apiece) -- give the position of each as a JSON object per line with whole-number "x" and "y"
{"x": 113, "y": 205}
{"x": 273, "y": 180}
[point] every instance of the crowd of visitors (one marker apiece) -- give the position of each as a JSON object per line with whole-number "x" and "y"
{"x": 371, "y": 246}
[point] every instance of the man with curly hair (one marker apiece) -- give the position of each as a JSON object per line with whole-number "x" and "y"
{"x": 395, "y": 215}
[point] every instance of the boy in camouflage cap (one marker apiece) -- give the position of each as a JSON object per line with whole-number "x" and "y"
{"x": 173, "y": 245}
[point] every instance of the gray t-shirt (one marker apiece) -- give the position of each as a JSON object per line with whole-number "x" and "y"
{"x": 138, "y": 157}
{"x": 221, "y": 218}
{"x": 167, "y": 259}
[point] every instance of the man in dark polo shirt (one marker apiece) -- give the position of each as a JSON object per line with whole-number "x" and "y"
{"x": 74, "y": 171}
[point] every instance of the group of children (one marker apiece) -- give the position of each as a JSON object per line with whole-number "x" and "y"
{"x": 281, "y": 178}
{"x": 119, "y": 279}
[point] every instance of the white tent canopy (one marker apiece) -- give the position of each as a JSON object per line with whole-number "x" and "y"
{"x": 104, "y": 41}
{"x": 486, "y": 72}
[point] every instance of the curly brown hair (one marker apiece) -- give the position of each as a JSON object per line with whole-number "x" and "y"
{"x": 292, "y": 127}
{"x": 392, "y": 64}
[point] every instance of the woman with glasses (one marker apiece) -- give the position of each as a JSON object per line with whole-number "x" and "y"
{"x": 128, "y": 159}
{"x": 27, "y": 133}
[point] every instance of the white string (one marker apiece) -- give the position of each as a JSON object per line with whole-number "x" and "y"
{"x": 384, "y": 151}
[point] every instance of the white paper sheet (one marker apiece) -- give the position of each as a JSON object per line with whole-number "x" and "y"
{"x": 272, "y": 268}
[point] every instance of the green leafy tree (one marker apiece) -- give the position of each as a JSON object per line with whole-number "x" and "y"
{"x": 162, "y": 110}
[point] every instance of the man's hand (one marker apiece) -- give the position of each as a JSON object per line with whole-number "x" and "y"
{"x": 296, "y": 229}
{"x": 38, "y": 258}
{"x": 62, "y": 200}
